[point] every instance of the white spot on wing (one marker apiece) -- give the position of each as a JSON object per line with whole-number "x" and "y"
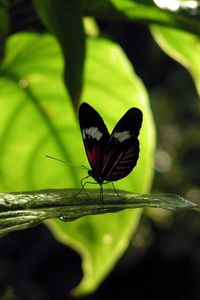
{"x": 122, "y": 136}
{"x": 92, "y": 132}
{"x": 83, "y": 133}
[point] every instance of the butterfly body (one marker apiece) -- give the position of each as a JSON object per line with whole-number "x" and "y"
{"x": 97, "y": 177}
{"x": 111, "y": 156}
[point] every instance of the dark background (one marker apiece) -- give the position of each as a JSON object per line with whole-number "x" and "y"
{"x": 163, "y": 260}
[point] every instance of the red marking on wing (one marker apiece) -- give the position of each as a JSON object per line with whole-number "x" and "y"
{"x": 94, "y": 154}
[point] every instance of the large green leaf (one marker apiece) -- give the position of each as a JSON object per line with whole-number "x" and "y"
{"x": 38, "y": 119}
{"x": 182, "y": 46}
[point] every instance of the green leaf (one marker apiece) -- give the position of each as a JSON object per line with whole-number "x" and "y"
{"x": 38, "y": 119}
{"x": 23, "y": 210}
{"x": 141, "y": 11}
{"x": 64, "y": 19}
{"x": 182, "y": 46}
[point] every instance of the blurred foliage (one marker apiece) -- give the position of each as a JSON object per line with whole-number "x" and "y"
{"x": 164, "y": 241}
{"x": 9, "y": 295}
{"x": 172, "y": 41}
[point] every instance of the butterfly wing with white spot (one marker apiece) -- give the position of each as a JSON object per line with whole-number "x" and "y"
{"x": 122, "y": 151}
{"x": 95, "y": 135}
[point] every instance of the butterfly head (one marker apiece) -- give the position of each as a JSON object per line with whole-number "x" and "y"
{"x": 96, "y": 176}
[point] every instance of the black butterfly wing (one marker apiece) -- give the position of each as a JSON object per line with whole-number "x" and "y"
{"x": 122, "y": 151}
{"x": 95, "y": 135}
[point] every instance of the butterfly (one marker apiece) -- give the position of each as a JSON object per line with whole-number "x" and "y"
{"x": 111, "y": 156}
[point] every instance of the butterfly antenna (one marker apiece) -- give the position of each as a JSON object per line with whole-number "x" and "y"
{"x": 66, "y": 162}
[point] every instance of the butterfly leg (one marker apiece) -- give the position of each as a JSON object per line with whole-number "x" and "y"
{"x": 83, "y": 186}
{"x": 116, "y": 191}
{"x": 101, "y": 192}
